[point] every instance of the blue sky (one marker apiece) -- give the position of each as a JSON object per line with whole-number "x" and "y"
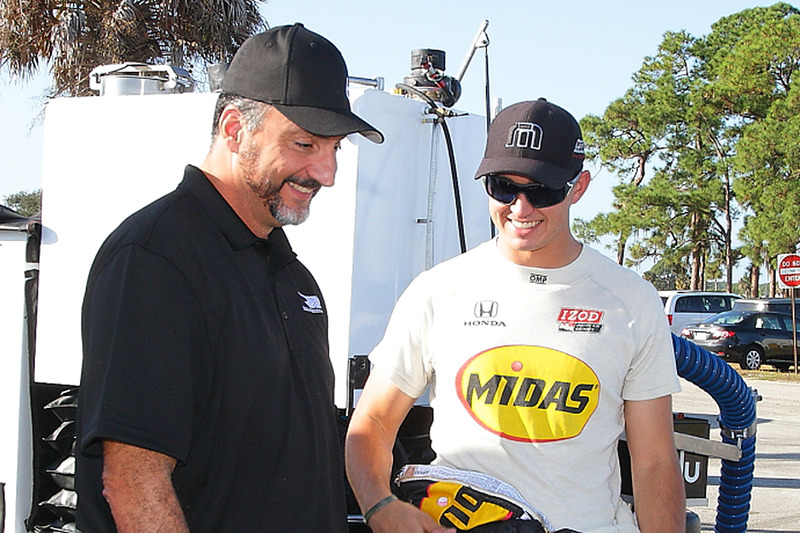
{"x": 579, "y": 54}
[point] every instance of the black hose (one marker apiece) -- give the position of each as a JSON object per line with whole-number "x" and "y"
{"x": 451, "y": 158}
{"x": 456, "y": 192}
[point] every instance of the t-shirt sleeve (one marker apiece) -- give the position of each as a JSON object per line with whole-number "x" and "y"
{"x": 401, "y": 354}
{"x": 652, "y": 372}
{"x": 143, "y": 356}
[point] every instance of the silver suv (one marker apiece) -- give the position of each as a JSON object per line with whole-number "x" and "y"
{"x": 684, "y": 307}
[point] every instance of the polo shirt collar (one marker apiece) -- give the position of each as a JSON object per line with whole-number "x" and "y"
{"x": 230, "y": 225}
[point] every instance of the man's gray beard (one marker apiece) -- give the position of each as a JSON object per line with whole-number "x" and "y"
{"x": 281, "y": 212}
{"x": 270, "y": 194}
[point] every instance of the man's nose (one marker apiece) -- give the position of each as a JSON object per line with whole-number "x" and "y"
{"x": 521, "y": 204}
{"x": 323, "y": 167}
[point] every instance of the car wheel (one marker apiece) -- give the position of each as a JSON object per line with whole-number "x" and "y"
{"x": 752, "y": 358}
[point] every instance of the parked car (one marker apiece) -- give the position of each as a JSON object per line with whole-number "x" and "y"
{"x": 749, "y": 337}
{"x": 684, "y": 307}
{"x": 780, "y": 305}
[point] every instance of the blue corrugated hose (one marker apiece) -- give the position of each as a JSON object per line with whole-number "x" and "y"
{"x": 737, "y": 420}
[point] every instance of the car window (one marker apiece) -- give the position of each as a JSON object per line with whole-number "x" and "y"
{"x": 690, "y": 304}
{"x": 715, "y": 304}
{"x": 769, "y": 322}
{"x": 787, "y": 323}
{"x": 728, "y": 318}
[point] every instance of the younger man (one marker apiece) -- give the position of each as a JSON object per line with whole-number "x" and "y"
{"x": 539, "y": 352}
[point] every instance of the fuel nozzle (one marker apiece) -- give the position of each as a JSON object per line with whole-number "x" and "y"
{"x": 428, "y": 77}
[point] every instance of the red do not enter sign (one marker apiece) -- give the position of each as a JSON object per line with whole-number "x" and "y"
{"x": 789, "y": 270}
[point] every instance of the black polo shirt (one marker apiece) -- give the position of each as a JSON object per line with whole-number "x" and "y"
{"x": 208, "y": 344}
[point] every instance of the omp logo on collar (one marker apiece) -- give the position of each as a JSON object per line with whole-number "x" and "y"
{"x": 528, "y": 393}
{"x": 539, "y": 279}
{"x": 311, "y": 304}
{"x": 525, "y": 135}
{"x": 580, "y": 320}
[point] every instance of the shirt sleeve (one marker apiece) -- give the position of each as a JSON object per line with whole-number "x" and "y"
{"x": 144, "y": 358}
{"x": 652, "y": 372}
{"x": 401, "y": 355}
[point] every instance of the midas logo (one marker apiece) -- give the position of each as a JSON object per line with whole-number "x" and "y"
{"x": 528, "y": 393}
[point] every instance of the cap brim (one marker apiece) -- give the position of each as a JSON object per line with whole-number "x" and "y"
{"x": 549, "y": 175}
{"x": 328, "y": 123}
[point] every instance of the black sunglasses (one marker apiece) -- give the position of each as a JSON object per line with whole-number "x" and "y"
{"x": 506, "y": 191}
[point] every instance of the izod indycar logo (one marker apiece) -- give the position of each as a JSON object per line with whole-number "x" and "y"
{"x": 528, "y": 393}
{"x": 580, "y": 320}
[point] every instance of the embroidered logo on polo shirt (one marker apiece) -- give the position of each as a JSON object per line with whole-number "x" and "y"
{"x": 311, "y": 304}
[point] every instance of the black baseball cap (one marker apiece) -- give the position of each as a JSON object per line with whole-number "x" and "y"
{"x": 537, "y": 140}
{"x": 300, "y": 73}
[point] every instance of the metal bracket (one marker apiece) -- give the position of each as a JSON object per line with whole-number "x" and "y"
{"x": 738, "y": 435}
{"x": 708, "y": 448}
{"x": 357, "y": 373}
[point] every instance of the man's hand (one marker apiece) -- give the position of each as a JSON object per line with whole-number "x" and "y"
{"x": 402, "y": 517}
{"x": 370, "y": 438}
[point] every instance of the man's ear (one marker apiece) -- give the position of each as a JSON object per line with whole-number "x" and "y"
{"x": 584, "y": 179}
{"x": 231, "y": 128}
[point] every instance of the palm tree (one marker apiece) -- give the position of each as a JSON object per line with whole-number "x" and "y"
{"x": 74, "y": 37}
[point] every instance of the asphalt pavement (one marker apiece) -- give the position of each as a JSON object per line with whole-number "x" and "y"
{"x": 775, "y": 496}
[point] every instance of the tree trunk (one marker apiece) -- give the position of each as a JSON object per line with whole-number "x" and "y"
{"x": 772, "y": 282}
{"x": 728, "y": 233}
{"x": 755, "y": 274}
{"x": 728, "y": 230}
{"x": 695, "y": 255}
{"x": 702, "y": 276}
{"x": 641, "y": 166}
{"x": 694, "y": 282}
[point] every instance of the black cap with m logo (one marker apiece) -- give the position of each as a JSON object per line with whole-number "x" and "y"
{"x": 535, "y": 139}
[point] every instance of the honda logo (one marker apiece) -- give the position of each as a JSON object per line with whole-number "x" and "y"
{"x": 486, "y": 308}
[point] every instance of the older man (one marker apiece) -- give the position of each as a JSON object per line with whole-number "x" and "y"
{"x": 206, "y": 399}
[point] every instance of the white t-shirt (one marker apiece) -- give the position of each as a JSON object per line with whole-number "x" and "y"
{"x": 528, "y": 369}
